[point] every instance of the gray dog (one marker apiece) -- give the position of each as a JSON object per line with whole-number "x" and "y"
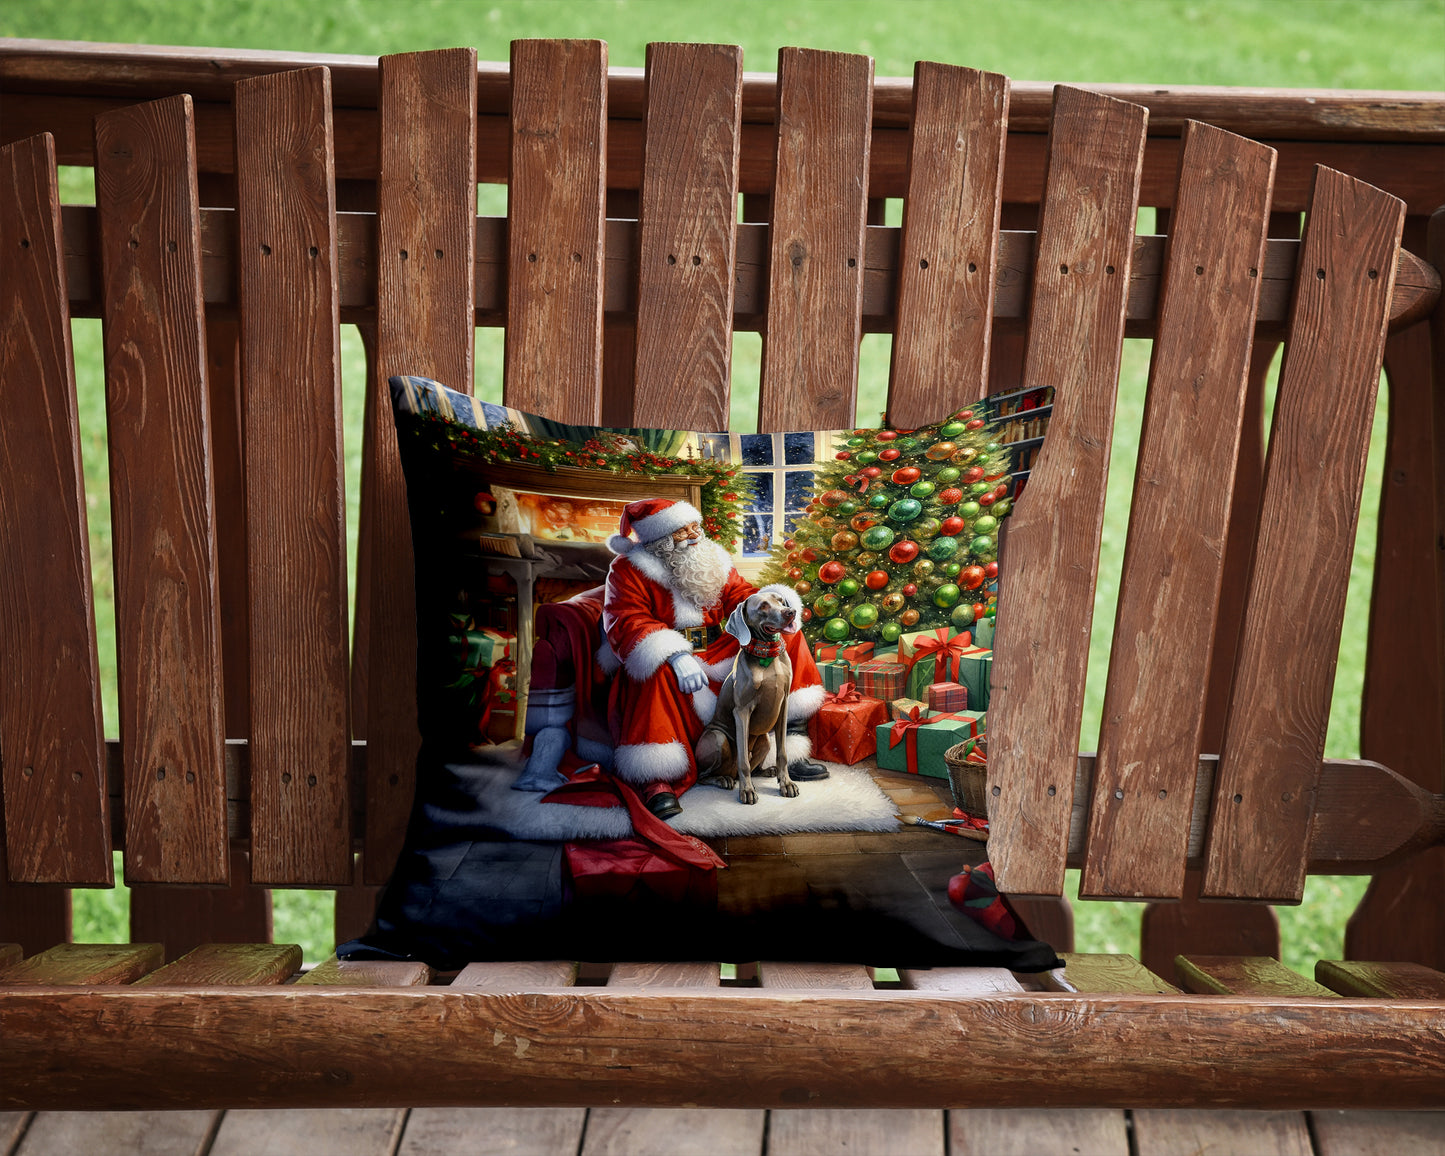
{"x": 753, "y": 702}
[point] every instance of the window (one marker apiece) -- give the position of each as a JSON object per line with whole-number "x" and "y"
{"x": 780, "y": 488}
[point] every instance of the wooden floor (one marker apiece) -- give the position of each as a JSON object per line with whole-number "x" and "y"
{"x": 705, "y": 1132}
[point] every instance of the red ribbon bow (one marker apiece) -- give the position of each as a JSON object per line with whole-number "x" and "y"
{"x": 909, "y": 722}
{"x": 947, "y": 653}
{"x": 495, "y": 692}
{"x": 846, "y": 694}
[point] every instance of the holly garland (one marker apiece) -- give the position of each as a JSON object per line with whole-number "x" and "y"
{"x": 724, "y": 495}
{"x": 902, "y": 533}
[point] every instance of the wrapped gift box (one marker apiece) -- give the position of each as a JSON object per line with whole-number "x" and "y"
{"x": 854, "y": 652}
{"x": 975, "y": 670}
{"x": 836, "y": 675}
{"x": 947, "y": 696}
{"x": 845, "y": 728}
{"x": 916, "y": 745}
{"x": 937, "y": 656}
{"x": 882, "y": 679}
{"x": 906, "y": 708}
{"x": 983, "y": 633}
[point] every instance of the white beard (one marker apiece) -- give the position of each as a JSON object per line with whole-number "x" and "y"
{"x": 699, "y": 575}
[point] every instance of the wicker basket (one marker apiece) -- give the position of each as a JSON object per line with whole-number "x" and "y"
{"x": 968, "y": 780}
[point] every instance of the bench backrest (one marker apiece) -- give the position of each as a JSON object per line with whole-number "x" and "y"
{"x": 228, "y": 509}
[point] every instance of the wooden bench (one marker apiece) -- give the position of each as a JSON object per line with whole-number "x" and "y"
{"x": 247, "y": 203}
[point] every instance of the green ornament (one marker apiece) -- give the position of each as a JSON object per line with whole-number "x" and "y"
{"x": 980, "y": 488}
{"x": 946, "y": 596}
{"x": 969, "y": 511}
{"x": 878, "y": 537}
{"x": 847, "y": 508}
{"x": 922, "y": 489}
{"x": 991, "y": 613}
{"x": 943, "y": 549}
{"x": 865, "y": 457}
{"x": 946, "y": 475}
{"x": 848, "y": 587}
{"x": 983, "y": 544}
{"x": 891, "y": 632}
{"x": 826, "y": 605}
{"x": 962, "y": 616}
{"x": 836, "y": 629}
{"x": 879, "y": 501}
{"x": 855, "y": 443}
{"x": 864, "y": 615}
{"x": 1002, "y": 507}
{"x": 992, "y": 448}
{"x": 953, "y": 569}
{"x": 952, "y": 429}
{"x": 987, "y": 524}
{"x": 906, "y": 444}
{"x": 904, "y": 510}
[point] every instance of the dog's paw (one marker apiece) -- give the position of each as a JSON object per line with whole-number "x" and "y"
{"x": 788, "y": 790}
{"x": 747, "y": 795}
{"x": 723, "y": 782}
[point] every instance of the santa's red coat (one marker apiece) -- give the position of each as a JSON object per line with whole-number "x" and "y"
{"x": 654, "y": 725}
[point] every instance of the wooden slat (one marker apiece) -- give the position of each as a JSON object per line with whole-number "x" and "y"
{"x": 168, "y": 632}
{"x": 335, "y": 972}
{"x": 1086, "y": 231}
{"x": 321, "y": 1132}
{"x": 949, "y": 246}
{"x": 1097, "y": 972}
{"x": 1269, "y": 765}
{"x": 33, "y": 915}
{"x": 56, "y": 819}
{"x": 816, "y": 259}
{"x": 521, "y": 976}
{"x": 426, "y": 216}
{"x": 1188, "y": 1132}
{"x": 687, "y": 236}
{"x": 1154, "y": 702}
{"x": 674, "y": 1132}
{"x": 1384, "y": 980}
{"x": 1031, "y": 1131}
{"x": 555, "y": 206}
{"x": 300, "y": 745}
{"x": 515, "y": 1131}
{"x": 917, "y": 1131}
{"x": 228, "y": 963}
{"x": 1354, "y": 1133}
{"x": 1242, "y": 975}
{"x": 1191, "y": 925}
{"x": 184, "y": 918}
{"x": 664, "y": 975}
{"x": 85, "y": 963}
{"x": 814, "y": 976}
{"x": 960, "y": 980}
{"x": 153, "y": 1133}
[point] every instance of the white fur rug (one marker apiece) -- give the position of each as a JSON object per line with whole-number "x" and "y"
{"x": 848, "y": 801}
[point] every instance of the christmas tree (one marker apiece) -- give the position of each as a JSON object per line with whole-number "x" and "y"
{"x": 902, "y": 532}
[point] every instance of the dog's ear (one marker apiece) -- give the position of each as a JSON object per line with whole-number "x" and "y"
{"x": 738, "y": 624}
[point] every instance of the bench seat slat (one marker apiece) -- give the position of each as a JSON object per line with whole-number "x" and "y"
{"x": 295, "y": 500}
{"x": 335, "y": 972}
{"x": 168, "y": 633}
{"x": 1243, "y": 975}
{"x": 85, "y": 963}
{"x": 1383, "y": 980}
{"x": 1154, "y": 702}
{"x": 1075, "y": 341}
{"x": 947, "y": 265}
{"x": 521, "y": 976}
{"x": 1095, "y": 972}
{"x": 814, "y": 976}
{"x": 232, "y": 964}
{"x": 56, "y": 819}
{"x": 1275, "y": 735}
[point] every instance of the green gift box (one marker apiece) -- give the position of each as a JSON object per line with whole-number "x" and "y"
{"x": 974, "y": 671}
{"x": 982, "y": 631}
{"x": 923, "y": 650}
{"x": 836, "y": 674}
{"x": 916, "y": 745}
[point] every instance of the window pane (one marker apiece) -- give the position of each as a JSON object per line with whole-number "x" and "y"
{"x": 798, "y": 449}
{"x": 495, "y": 414}
{"x": 798, "y": 488}
{"x": 757, "y": 533}
{"x": 762, "y": 499}
{"x": 757, "y": 449}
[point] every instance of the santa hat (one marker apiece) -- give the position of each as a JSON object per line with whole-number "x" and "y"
{"x": 649, "y": 520}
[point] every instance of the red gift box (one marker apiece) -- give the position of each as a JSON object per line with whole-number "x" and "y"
{"x": 844, "y": 729}
{"x": 947, "y": 696}
{"x": 852, "y": 652}
{"x": 882, "y": 679}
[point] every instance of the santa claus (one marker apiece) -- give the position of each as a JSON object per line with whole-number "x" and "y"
{"x": 668, "y": 576}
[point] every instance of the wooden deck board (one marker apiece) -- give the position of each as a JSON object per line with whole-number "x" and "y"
{"x": 1184, "y": 1132}
{"x": 1378, "y": 1133}
{"x": 314, "y": 1131}
{"x": 1030, "y": 1131}
{"x": 674, "y": 1132}
{"x": 858, "y": 1132}
{"x": 118, "y": 1134}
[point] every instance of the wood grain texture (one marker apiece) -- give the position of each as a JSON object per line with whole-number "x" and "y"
{"x": 57, "y": 826}
{"x": 1188, "y": 925}
{"x": 84, "y": 963}
{"x": 555, "y": 207}
{"x": 1242, "y": 975}
{"x": 425, "y": 224}
{"x": 10, "y": 953}
{"x": 515, "y": 1131}
{"x": 228, "y": 963}
{"x": 664, "y": 975}
{"x": 1031, "y": 1131}
{"x": 456, "y": 1047}
{"x": 335, "y": 972}
{"x": 816, "y": 258}
{"x": 687, "y": 236}
{"x": 1320, "y": 436}
{"x": 1382, "y": 980}
{"x": 184, "y": 918}
{"x": 520, "y": 976}
{"x": 814, "y": 976}
{"x": 674, "y": 1132}
{"x": 961, "y": 980}
{"x": 1154, "y": 701}
{"x": 34, "y": 915}
{"x": 949, "y": 244}
{"x": 150, "y": 1133}
{"x": 1081, "y": 274}
{"x": 295, "y": 500}
{"x": 1188, "y": 1132}
{"x": 325, "y": 1132}
{"x": 167, "y": 617}
{"x": 1095, "y": 972}
{"x": 1346, "y": 1133}
{"x": 13, "y": 1125}
{"x": 866, "y": 1131}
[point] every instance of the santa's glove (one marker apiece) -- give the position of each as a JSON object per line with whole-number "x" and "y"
{"x": 691, "y": 677}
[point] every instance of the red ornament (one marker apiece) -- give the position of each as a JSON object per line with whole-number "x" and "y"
{"x": 950, "y": 497}
{"x": 810, "y": 555}
{"x": 789, "y": 543}
{"x": 842, "y": 455}
{"x": 861, "y": 522}
{"x": 987, "y": 499}
{"x": 971, "y": 475}
{"x": 976, "y": 423}
{"x": 794, "y": 557}
{"x": 910, "y": 590}
{"x": 979, "y": 609}
{"x": 887, "y": 435}
{"x": 833, "y": 497}
{"x": 903, "y": 551}
{"x": 876, "y": 580}
{"x": 971, "y": 578}
{"x": 907, "y": 475}
{"x": 871, "y": 472}
{"x": 802, "y": 587}
{"x": 807, "y": 614}
{"x": 964, "y": 415}
{"x": 861, "y": 433}
{"x": 795, "y": 573}
{"x": 889, "y": 454}
{"x": 951, "y": 526}
{"x": 830, "y": 572}
{"x": 991, "y": 571}
{"x": 1001, "y": 490}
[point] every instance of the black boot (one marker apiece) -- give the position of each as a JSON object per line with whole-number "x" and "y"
{"x": 805, "y": 770}
{"x": 664, "y": 804}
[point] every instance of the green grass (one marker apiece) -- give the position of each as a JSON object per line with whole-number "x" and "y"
{"x": 1386, "y": 44}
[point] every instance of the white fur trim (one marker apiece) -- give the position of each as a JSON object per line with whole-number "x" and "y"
{"x": 704, "y": 704}
{"x": 797, "y": 747}
{"x": 718, "y": 671}
{"x": 607, "y": 658}
{"x": 620, "y": 544}
{"x": 685, "y": 612}
{"x": 804, "y": 702}
{"x": 643, "y": 763}
{"x": 652, "y": 650}
{"x": 651, "y": 567}
{"x": 665, "y": 522}
{"x": 790, "y": 596}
